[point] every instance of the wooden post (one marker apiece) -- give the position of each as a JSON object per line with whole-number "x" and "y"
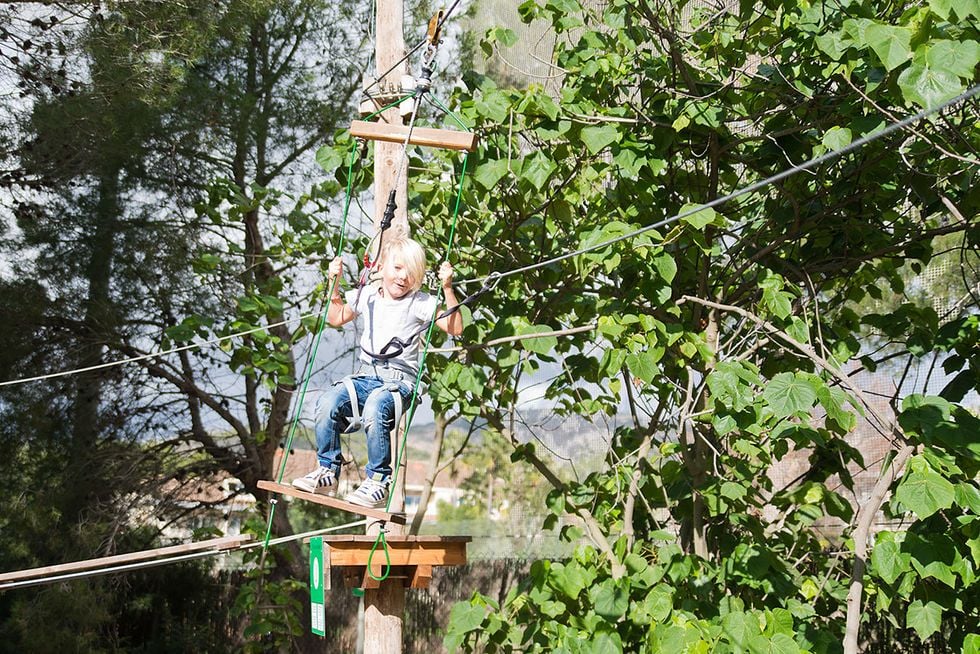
{"x": 383, "y": 611}
{"x": 384, "y": 607}
{"x": 389, "y": 48}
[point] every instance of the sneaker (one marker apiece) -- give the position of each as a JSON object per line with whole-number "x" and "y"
{"x": 372, "y": 493}
{"x": 320, "y": 482}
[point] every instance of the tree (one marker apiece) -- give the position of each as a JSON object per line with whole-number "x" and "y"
{"x": 181, "y": 146}
{"x": 741, "y": 325}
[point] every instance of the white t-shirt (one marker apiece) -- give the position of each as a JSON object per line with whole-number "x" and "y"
{"x": 385, "y": 318}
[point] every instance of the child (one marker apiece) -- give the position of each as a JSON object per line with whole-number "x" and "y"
{"x": 396, "y": 309}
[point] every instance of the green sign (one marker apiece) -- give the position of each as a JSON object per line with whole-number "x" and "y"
{"x": 317, "y": 608}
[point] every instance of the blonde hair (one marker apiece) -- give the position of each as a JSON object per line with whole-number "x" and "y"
{"x": 411, "y": 255}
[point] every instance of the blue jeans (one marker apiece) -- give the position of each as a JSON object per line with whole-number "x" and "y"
{"x": 333, "y": 413}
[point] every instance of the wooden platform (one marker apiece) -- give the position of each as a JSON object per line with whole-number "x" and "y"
{"x": 424, "y": 136}
{"x": 411, "y": 557}
{"x": 333, "y": 502}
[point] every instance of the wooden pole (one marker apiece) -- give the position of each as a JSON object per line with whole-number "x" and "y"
{"x": 389, "y": 48}
{"x": 383, "y": 611}
{"x": 384, "y": 607}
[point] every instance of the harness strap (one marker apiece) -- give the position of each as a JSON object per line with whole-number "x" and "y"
{"x": 355, "y": 410}
{"x": 356, "y": 421}
{"x": 396, "y": 395}
{"x": 396, "y": 345}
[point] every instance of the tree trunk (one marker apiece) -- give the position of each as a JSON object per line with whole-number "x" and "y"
{"x": 98, "y": 321}
{"x": 433, "y": 467}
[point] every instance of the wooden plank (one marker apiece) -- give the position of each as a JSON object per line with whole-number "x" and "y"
{"x": 225, "y": 543}
{"x": 333, "y": 502}
{"x": 395, "y": 538}
{"x": 342, "y": 554}
{"x": 424, "y": 136}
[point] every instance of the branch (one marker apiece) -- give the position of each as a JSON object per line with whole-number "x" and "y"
{"x": 808, "y": 352}
{"x": 869, "y": 509}
{"x": 592, "y": 527}
{"x": 511, "y": 339}
{"x": 188, "y": 387}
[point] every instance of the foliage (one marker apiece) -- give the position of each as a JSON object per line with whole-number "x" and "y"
{"x": 268, "y": 605}
{"x": 731, "y": 333}
{"x": 150, "y": 176}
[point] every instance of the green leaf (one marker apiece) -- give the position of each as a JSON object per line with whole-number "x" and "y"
{"x": 741, "y": 627}
{"x": 659, "y": 603}
{"x": 488, "y": 173}
{"x": 971, "y": 644}
{"x": 733, "y": 491}
{"x": 958, "y": 58}
{"x": 494, "y": 105}
{"x": 783, "y": 644}
{"x": 329, "y": 158}
{"x": 540, "y": 345}
{"x": 666, "y": 267}
{"x": 836, "y": 138}
{"x": 505, "y": 36}
{"x": 733, "y": 384}
{"x": 466, "y": 617}
{"x": 933, "y": 555}
{"x": 924, "y": 618}
{"x": 927, "y": 87}
{"x": 833, "y": 44}
{"x": 889, "y": 562}
{"x": 570, "y": 579}
{"x": 643, "y": 365}
{"x": 537, "y": 169}
{"x": 604, "y": 643}
{"x": 610, "y": 600}
{"x": 832, "y": 400}
{"x": 925, "y": 492}
{"x": 962, "y": 8}
{"x": 968, "y": 497}
{"x": 698, "y": 219}
{"x": 788, "y": 394}
{"x": 596, "y": 138}
{"x": 891, "y": 44}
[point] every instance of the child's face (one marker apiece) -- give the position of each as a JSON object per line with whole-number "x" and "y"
{"x": 395, "y": 278}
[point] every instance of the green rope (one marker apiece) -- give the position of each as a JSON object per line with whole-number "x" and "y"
{"x": 389, "y": 106}
{"x": 449, "y": 113}
{"x": 380, "y": 539}
{"x": 321, "y": 325}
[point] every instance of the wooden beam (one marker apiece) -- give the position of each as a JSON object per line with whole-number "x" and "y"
{"x": 422, "y": 575}
{"x": 330, "y": 539}
{"x": 226, "y": 543}
{"x": 333, "y": 502}
{"x": 424, "y": 136}
{"x": 454, "y": 553}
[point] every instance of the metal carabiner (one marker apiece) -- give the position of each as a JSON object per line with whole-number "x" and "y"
{"x": 490, "y": 282}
